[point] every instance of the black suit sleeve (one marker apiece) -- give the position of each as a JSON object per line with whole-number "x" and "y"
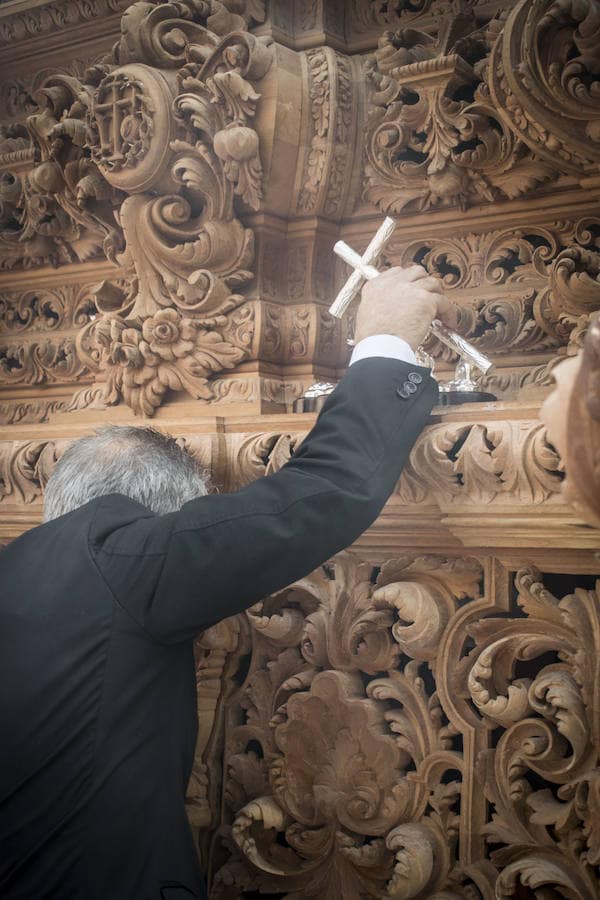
{"x": 176, "y": 574}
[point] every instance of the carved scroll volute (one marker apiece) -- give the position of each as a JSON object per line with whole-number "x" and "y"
{"x": 180, "y": 146}
{"x": 161, "y": 34}
{"x": 545, "y": 82}
{"x": 572, "y": 415}
{"x": 177, "y": 140}
{"x": 545, "y": 831}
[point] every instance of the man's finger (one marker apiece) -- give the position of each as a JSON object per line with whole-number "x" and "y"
{"x": 448, "y": 312}
{"x": 414, "y": 273}
{"x": 431, "y": 283}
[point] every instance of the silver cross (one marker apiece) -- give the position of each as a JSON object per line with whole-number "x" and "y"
{"x": 364, "y": 270}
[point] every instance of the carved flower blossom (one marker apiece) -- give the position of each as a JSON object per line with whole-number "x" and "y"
{"x": 168, "y": 336}
{"x": 124, "y": 344}
{"x": 145, "y": 359}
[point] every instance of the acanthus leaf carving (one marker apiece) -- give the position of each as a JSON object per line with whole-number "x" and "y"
{"x": 548, "y": 276}
{"x": 61, "y": 209}
{"x": 26, "y": 467}
{"x": 47, "y": 360}
{"x": 544, "y": 80}
{"x": 352, "y": 770}
{"x": 543, "y": 835}
{"x": 51, "y": 17}
{"x": 462, "y": 116}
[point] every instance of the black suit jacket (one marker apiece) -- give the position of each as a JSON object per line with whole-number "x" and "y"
{"x": 98, "y": 610}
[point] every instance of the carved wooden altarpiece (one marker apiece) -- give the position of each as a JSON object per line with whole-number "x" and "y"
{"x": 420, "y": 717}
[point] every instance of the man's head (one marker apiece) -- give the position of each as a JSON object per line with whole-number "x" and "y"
{"x": 141, "y": 463}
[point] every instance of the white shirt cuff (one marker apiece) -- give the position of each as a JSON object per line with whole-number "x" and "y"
{"x": 383, "y": 345}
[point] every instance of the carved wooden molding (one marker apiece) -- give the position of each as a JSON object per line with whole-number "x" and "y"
{"x": 455, "y": 465}
{"x": 529, "y": 291}
{"x": 48, "y": 18}
{"x": 326, "y": 168}
{"x": 56, "y": 336}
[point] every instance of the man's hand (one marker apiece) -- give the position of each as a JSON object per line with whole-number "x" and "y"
{"x": 403, "y": 302}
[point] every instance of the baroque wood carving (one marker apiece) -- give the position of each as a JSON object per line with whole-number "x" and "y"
{"x": 186, "y": 248}
{"x": 484, "y": 108}
{"x": 520, "y": 291}
{"x": 157, "y": 136}
{"x": 89, "y": 173}
{"x": 418, "y": 718}
{"x": 53, "y": 17}
{"x": 471, "y": 463}
{"x": 394, "y": 738}
{"x": 52, "y": 336}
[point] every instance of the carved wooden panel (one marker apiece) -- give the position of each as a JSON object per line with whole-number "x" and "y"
{"x": 427, "y": 728}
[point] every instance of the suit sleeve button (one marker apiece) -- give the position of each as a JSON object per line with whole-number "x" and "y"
{"x": 415, "y": 378}
{"x": 410, "y": 387}
{"x": 402, "y": 392}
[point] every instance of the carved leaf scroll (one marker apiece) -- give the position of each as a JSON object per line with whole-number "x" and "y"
{"x": 352, "y": 749}
{"x": 544, "y": 80}
{"x": 59, "y": 209}
{"x": 544, "y": 835}
{"x": 520, "y": 290}
{"x": 25, "y": 469}
{"x": 484, "y": 108}
{"x": 344, "y": 779}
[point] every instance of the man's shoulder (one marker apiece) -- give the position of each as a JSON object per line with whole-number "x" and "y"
{"x": 103, "y": 513}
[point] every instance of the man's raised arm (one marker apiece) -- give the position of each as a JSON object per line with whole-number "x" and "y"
{"x": 178, "y": 573}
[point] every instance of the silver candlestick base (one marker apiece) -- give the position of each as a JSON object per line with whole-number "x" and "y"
{"x": 314, "y": 398}
{"x": 463, "y": 388}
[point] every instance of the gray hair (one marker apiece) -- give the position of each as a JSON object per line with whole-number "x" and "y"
{"x": 141, "y": 463}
